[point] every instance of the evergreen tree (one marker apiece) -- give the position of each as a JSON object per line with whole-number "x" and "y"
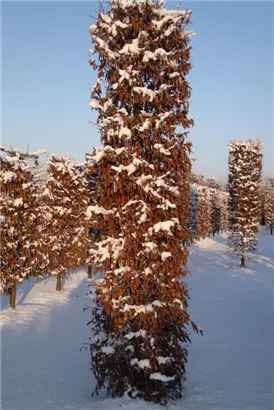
{"x": 140, "y": 318}
{"x": 245, "y": 168}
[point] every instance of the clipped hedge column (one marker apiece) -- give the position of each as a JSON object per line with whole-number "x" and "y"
{"x": 245, "y": 169}
{"x": 140, "y": 319}
{"x": 19, "y": 220}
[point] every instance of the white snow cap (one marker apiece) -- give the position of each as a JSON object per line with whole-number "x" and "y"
{"x": 8, "y": 176}
{"x": 161, "y": 377}
{"x": 140, "y": 363}
{"x": 108, "y": 350}
{"x": 124, "y": 4}
{"x": 250, "y": 145}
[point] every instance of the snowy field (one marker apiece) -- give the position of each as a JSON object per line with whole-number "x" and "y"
{"x": 229, "y": 368}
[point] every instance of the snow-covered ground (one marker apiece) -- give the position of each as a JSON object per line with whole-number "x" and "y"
{"x": 229, "y": 368}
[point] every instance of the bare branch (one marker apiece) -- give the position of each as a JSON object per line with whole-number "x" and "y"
{"x": 16, "y": 152}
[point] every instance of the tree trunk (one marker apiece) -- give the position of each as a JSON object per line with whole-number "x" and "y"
{"x": 242, "y": 262}
{"x": 271, "y": 229}
{"x": 89, "y": 272}
{"x": 13, "y": 297}
{"x": 59, "y": 283}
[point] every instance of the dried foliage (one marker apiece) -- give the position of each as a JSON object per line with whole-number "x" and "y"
{"x": 92, "y": 200}
{"x": 192, "y": 212}
{"x": 62, "y": 213}
{"x": 44, "y": 228}
{"x": 204, "y": 211}
{"x": 269, "y": 202}
{"x": 208, "y": 208}
{"x": 141, "y": 95}
{"x": 245, "y": 169}
{"x": 224, "y": 210}
{"x": 19, "y": 234}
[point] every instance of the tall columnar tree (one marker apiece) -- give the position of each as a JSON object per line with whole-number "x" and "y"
{"x": 215, "y": 210}
{"x": 192, "y": 212}
{"x": 214, "y": 192}
{"x": 269, "y": 203}
{"x": 262, "y": 199}
{"x": 208, "y": 210}
{"x": 245, "y": 168}
{"x": 92, "y": 234}
{"x": 141, "y": 95}
{"x": 19, "y": 219}
{"x": 62, "y": 210}
{"x": 224, "y": 211}
{"x": 204, "y": 211}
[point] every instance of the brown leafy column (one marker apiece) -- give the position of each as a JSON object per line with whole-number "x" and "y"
{"x": 19, "y": 220}
{"x": 62, "y": 209}
{"x": 245, "y": 169}
{"x": 269, "y": 203}
{"x": 140, "y": 319}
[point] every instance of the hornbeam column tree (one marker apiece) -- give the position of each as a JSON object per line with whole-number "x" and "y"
{"x": 192, "y": 213}
{"x": 91, "y": 178}
{"x": 245, "y": 169}
{"x": 269, "y": 203}
{"x": 215, "y": 210}
{"x": 141, "y": 95}
{"x": 224, "y": 211}
{"x": 19, "y": 219}
{"x": 63, "y": 204}
{"x": 215, "y": 195}
{"x": 204, "y": 211}
{"x": 262, "y": 197}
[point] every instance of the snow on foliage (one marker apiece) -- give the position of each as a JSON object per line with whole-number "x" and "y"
{"x": 204, "y": 211}
{"x": 208, "y": 212}
{"x": 269, "y": 202}
{"x": 161, "y": 377}
{"x": 19, "y": 225}
{"x": 141, "y": 97}
{"x": 63, "y": 210}
{"x": 245, "y": 168}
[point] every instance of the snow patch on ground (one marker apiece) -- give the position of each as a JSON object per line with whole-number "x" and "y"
{"x": 229, "y": 368}
{"x": 41, "y": 363}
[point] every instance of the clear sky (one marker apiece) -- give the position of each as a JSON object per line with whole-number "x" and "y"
{"x": 46, "y": 78}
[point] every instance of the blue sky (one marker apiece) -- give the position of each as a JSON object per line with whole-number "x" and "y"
{"x": 46, "y": 77}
